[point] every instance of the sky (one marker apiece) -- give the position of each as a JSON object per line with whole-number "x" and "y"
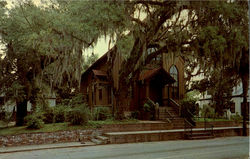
{"x": 100, "y": 48}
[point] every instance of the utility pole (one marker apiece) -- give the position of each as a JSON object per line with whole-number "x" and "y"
{"x": 245, "y": 105}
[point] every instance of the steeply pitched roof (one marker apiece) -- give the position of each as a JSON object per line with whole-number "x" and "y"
{"x": 99, "y": 72}
{"x": 101, "y": 59}
{"x": 148, "y": 74}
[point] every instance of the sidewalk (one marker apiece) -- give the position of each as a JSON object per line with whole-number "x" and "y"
{"x": 111, "y": 134}
{"x": 44, "y": 146}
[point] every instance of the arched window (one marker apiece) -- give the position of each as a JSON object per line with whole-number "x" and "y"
{"x": 175, "y": 86}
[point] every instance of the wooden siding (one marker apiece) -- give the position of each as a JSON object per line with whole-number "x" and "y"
{"x": 170, "y": 60}
{"x": 90, "y": 85}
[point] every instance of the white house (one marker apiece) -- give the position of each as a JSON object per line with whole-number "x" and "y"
{"x": 10, "y": 105}
{"x": 237, "y": 99}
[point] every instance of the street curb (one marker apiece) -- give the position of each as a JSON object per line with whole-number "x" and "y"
{"x": 46, "y": 148}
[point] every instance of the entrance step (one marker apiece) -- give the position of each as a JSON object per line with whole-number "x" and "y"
{"x": 167, "y": 112}
{"x": 164, "y": 135}
{"x": 97, "y": 142}
{"x": 199, "y": 136}
{"x": 100, "y": 140}
{"x": 143, "y": 136}
{"x": 104, "y": 139}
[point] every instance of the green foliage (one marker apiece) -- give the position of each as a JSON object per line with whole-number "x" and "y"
{"x": 237, "y": 118}
{"x": 5, "y": 116}
{"x": 219, "y": 84}
{"x": 149, "y": 106}
{"x": 101, "y": 113}
{"x": 48, "y": 115}
{"x": 149, "y": 109}
{"x": 208, "y": 112}
{"x": 72, "y": 109}
{"x": 89, "y": 60}
{"x": 124, "y": 46}
{"x": 78, "y": 115}
{"x": 188, "y": 103}
{"x": 60, "y": 112}
{"x": 135, "y": 114}
{"x": 73, "y": 101}
{"x": 46, "y": 43}
{"x": 16, "y": 92}
{"x": 2, "y": 113}
{"x": 34, "y": 121}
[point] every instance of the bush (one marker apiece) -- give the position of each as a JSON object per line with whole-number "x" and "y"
{"x": 149, "y": 106}
{"x": 60, "y": 113}
{"x": 34, "y": 121}
{"x": 237, "y": 118}
{"x": 78, "y": 115}
{"x": 148, "y": 110}
{"x": 101, "y": 113}
{"x": 48, "y": 115}
{"x": 188, "y": 103}
{"x": 208, "y": 112}
{"x": 135, "y": 114}
{"x": 2, "y": 113}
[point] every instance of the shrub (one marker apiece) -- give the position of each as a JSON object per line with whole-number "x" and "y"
{"x": 78, "y": 115}
{"x": 237, "y": 118}
{"x": 34, "y": 121}
{"x": 2, "y": 113}
{"x": 48, "y": 115}
{"x": 135, "y": 114}
{"x": 149, "y": 106}
{"x": 188, "y": 103}
{"x": 101, "y": 113}
{"x": 208, "y": 112}
{"x": 60, "y": 113}
{"x": 149, "y": 110}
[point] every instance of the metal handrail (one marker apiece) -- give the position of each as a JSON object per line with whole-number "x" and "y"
{"x": 187, "y": 126}
{"x": 191, "y": 115}
{"x": 176, "y": 106}
{"x": 209, "y": 127}
{"x": 171, "y": 117}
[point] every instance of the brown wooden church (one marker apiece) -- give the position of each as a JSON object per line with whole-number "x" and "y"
{"x": 161, "y": 80}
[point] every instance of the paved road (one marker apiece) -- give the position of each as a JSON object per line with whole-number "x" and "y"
{"x": 220, "y": 148}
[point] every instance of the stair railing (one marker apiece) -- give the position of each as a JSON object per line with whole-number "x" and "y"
{"x": 176, "y": 106}
{"x": 189, "y": 116}
{"x": 170, "y": 117}
{"x": 156, "y": 108}
{"x": 208, "y": 127}
{"x": 188, "y": 128}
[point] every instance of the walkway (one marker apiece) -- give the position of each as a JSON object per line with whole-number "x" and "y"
{"x": 219, "y": 148}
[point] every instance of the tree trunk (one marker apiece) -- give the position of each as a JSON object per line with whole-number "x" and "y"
{"x": 244, "y": 74}
{"x": 21, "y": 112}
{"x": 245, "y": 105}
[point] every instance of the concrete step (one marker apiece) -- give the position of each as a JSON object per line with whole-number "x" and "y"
{"x": 164, "y": 135}
{"x": 96, "y": 141}
{"x": 200, "y": 137}
{"x": 143, "y": 136}
{"x": 103, "y": 139}
{"x": 201, "y": 133}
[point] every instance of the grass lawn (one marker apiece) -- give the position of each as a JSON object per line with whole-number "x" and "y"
{"x": 60, "y": 126}
{"x": 210, "y": 119}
